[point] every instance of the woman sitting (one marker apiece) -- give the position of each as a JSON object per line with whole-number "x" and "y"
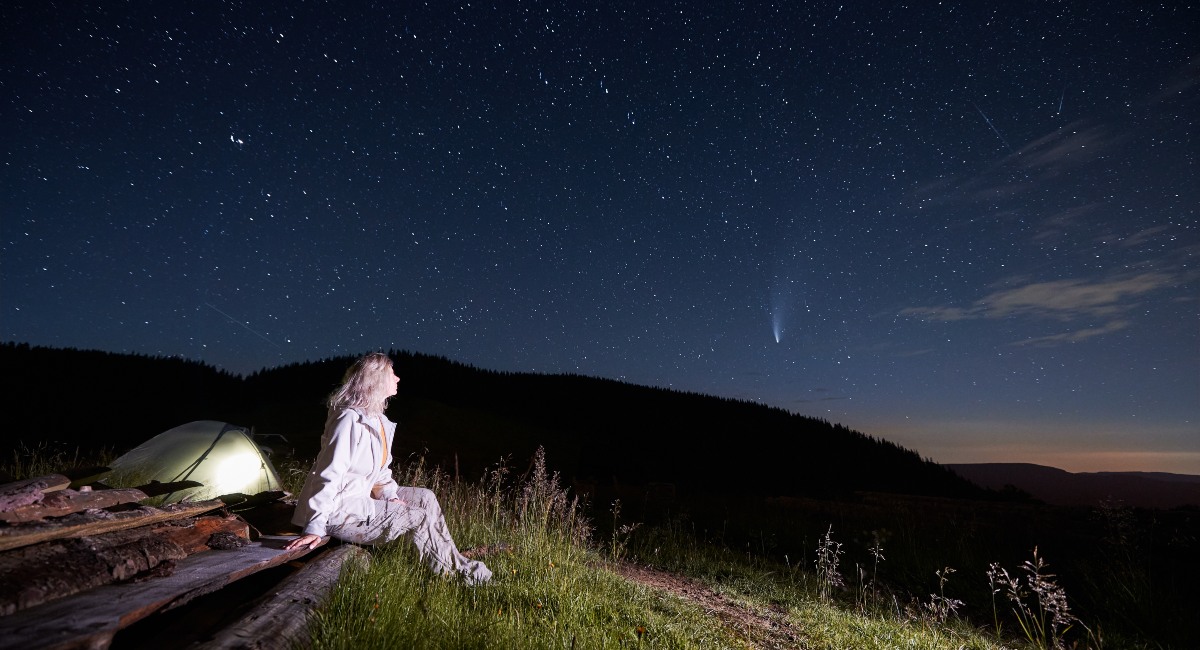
{"x": 350, "y": 493}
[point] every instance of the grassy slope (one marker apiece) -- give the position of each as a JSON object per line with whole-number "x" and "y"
{"x": 553, "y": 587}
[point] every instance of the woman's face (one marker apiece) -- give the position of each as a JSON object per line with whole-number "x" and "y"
{"x": 391, "y": 382}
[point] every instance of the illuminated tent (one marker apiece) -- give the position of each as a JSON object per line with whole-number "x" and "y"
{"x": 222, "y": 457}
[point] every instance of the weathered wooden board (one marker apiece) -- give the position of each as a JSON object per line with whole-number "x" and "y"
{"x": 281, "y": 620}
{"x": 47, "y": 483}
{"x": 41, "y": 573}
{"x": 198, "y": 536}
{"x": 28, "y": 491}
{"x": 95, "y": 523}
{"x": 65, "y": 502}
{"x": 89, "y": 620}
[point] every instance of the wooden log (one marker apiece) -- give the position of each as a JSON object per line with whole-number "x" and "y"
{"x": 90, "y": 619}
{"x": 29, "y": 491}
{"x": 39, "y": 574}
{"x": 49, "y": 482}
{"x": 198, "y": 536}
{"x": 30, "y": 576}
{"x": 65, "y": 502}
{"x": 23, "y": 496}
{"x": 98, "y": 522}
{"x": 281, "y": 620}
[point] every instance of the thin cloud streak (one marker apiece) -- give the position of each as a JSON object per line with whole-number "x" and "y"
{"x": 1059, "y": 299}
{"x": 1076, "y": 336}
{"x": 1074, "y": 144}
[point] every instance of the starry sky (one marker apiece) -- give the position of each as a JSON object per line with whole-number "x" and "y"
{"x": 968, "y": 228}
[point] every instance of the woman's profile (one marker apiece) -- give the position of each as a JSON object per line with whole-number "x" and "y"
{"x": 350, "y": 493}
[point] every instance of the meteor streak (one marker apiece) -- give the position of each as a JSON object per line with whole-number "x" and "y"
{"x": 994, "y": 129}
{"x": 247, "y": 327}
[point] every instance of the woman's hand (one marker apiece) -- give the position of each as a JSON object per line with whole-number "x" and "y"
{"x": 307, "y": 540}
{"x": 398, "y": 500}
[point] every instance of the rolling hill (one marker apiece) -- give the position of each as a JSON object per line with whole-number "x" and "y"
{"x": 1059, "y": 487}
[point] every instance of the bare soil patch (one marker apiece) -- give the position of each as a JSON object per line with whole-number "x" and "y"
{"x": 762, "y": 630}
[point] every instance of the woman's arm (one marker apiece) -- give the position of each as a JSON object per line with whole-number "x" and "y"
{"x": 385, "y": 486}
{"x": 330, "y": 470}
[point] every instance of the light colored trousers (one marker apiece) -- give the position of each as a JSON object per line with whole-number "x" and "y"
{"x": 420, "y": 519}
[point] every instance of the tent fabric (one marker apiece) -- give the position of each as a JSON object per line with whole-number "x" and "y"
{"x": 222, "y": 457}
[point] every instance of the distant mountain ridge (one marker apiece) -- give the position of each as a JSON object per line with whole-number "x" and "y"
{"x": 1060, "y": 487}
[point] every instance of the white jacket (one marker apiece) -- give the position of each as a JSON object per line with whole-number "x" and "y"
{"x": 353, "y": 469}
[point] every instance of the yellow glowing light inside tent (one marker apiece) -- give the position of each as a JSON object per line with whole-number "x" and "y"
{"x": 236, "y": 473}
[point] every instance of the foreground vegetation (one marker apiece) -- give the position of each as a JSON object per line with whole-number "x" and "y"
{"x": 554, "y": 587}
{"x": 558, "y": 581}
{"x": 549, "y": 590}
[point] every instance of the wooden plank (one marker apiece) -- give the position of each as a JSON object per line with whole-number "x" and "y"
{"x": 47, "y": 483}
{"x": 197, "y": 537}
{"x": 281, "y": 620}
{"x": 83, "y": 524}
{"x": 29, "y": 491}
{"x": 65, "y": 502}
{"x": 42, "y": 573}
{"x": 32, "y": 575}
{"x": 89, "y": 620}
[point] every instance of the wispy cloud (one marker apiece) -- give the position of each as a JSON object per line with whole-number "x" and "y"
{"x": 1077, "y": 335}
{"x": 1072, "y": 152}
{"x": 1149, "y": 235}
{"x": 1060, "y": 223}
{"x": 1065, "y": 152}
{"x": 1072, "y": 298}
{"x": 1061, "y": 300}
{"x": 1071, "y": 145}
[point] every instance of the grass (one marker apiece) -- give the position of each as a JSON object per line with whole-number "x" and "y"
{"x": 550, "y": 589}
{"x": 554, "y": 586}
{"x": 825, "y": 612}
{"x": 48, "y": 458}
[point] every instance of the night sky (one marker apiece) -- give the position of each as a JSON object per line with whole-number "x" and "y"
{"x": 971, "y": 230}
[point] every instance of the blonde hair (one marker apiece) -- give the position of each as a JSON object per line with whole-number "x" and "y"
{"x": 363, "y": 385}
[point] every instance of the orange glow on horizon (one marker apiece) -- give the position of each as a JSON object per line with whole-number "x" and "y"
{"x": 1091, "y": 450}
{"x": 1079, "y": 461}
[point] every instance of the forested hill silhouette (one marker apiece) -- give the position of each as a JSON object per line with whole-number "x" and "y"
{"x": 92, "y": 399}
{"x": 467, "y": 419}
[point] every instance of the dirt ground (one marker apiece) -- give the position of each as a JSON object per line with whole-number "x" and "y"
{"x": 761, "y": 630}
